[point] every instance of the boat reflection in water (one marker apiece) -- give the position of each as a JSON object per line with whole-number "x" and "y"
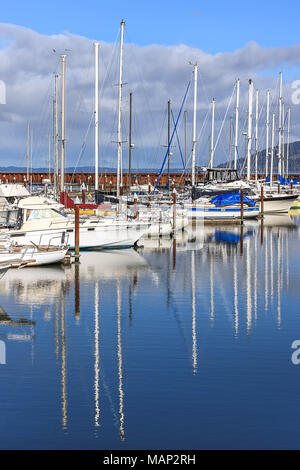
{"x": 114, "y": 311}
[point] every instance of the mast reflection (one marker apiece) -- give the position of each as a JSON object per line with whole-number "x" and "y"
{"x": 120, "y": 363}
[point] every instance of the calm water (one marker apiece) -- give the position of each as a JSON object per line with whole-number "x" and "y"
{"x": 173, "y": 346}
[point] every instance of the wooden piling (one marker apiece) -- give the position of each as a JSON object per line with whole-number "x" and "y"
{"x": 174, "y": 209}
{"x": 135, "y": 207}
{"x": 77, "y": 203}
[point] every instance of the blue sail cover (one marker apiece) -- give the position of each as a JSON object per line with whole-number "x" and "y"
{"x": 287, "y": 180}
{"x": 232, "y": 198}
{"x": 283, "y": 180}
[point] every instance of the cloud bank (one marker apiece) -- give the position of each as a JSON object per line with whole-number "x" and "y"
{"x": 154, "y": 74}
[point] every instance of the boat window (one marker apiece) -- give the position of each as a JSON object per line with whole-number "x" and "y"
{"x": 35, "y": 214}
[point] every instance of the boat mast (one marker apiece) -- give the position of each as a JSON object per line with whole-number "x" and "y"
{"x": 185, "y": 147}
{"x": 194, "y": 124}
{"x": 49, "y": 163}
{"x": 288, "y": 142}
{"x": 282, "y": 140}
{"x": 267, "y": 132}
{"x": 130, "y": 136}
{"x": 62, "y": 157}
{"x": 230, "y": 141}
{"x": 256, "y": 133}
{"x": 119, "y": 177}
{"x": 212, "y": 134}
{"x": 27, "y": 154}
{"x": 96, "y": 44}
{"x": 169, "y": 137}
{"x": 236, "y": 122}
{"x": 272, "y": 149}
{"x": 56, "y": 132}
{"x": 279, "y": 125}
{"x": 249, "y": 133}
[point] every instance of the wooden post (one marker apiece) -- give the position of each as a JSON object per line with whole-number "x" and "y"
{"x": 261, "y": 200}
{"x": 174, "y": 209}
{"x": 83, "y": 196}
{"x": 149, "y": 191}
{"x": 135, "y": 206}
{"x": 77, "y": 203}
{"x": 278, "y": 188}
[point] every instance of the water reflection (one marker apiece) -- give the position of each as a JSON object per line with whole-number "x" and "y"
{"x": 218, "y": 278}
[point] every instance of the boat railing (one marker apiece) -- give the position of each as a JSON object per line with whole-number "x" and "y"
{"x": 66, "y": 222}
{"x": 63, "y": 238}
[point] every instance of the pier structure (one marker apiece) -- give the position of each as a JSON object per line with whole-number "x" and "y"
{"x": 108, "y": 180}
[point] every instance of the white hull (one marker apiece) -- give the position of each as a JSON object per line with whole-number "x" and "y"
{"x": 278, "y": 204}
{"x": 207, "y": 211}
{"x": 35, "y": 257}
{"x": 101, "y": 235}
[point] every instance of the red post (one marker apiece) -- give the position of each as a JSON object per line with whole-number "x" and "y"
{"x": 76, "y": 229}
{"x": 174, "y": 209}
{"x": 135, "y": 206}
{"x": 278, "y": 188}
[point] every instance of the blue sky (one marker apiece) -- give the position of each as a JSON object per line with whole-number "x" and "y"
{"x": 212, "y": 26}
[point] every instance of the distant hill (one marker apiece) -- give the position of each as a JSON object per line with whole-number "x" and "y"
{"x": 294, "y": 160}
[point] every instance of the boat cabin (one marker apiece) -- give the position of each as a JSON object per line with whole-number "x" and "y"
{"x": 217, "y": 175}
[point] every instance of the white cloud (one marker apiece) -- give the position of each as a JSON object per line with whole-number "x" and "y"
{"x": 153, "y": 73}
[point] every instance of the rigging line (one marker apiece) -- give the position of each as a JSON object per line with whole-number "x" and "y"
{"x": 44, "y": 122}
{"x": 101, "y": 94}
{"x": 178, "y": 141}
{"x": 82, "y": 147}
{"x": 80, "y": 101}
{"x": 197, "y": 140}
{"x": 229, "y": 103}
{"x": 109, "y": 67}
{"x": 164, "y": 161}
{"x": 203, "y": 85}
{"x": 143, "y": 86}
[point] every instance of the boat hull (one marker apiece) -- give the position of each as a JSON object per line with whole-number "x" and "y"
{"x": 222, "y": 213}
{"x": 36, "y": 258}
{"x": 278, "y": 204}
{"x": 100, "y": 236}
